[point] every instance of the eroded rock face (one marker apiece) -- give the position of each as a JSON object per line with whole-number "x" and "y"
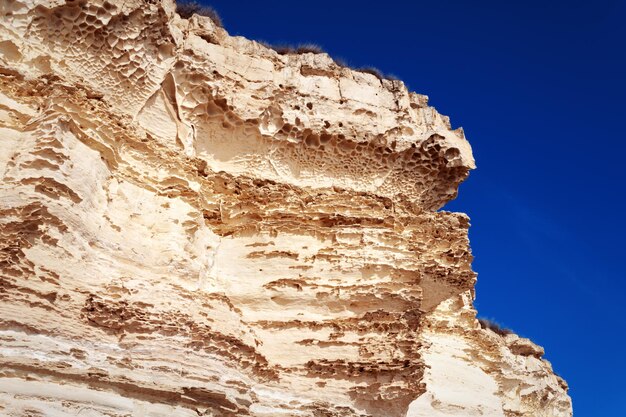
{"x": 194, "y": 225}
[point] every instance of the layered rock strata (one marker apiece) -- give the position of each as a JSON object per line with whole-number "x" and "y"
{"x": 192, "y": 224}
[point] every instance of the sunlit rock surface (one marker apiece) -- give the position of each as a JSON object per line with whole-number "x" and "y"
{"x": 192, "y": 224}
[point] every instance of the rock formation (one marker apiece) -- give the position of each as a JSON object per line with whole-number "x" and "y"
{"x": 193, "y": 224}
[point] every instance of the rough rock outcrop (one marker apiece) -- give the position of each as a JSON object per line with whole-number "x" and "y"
{"x": 192, "y": 224}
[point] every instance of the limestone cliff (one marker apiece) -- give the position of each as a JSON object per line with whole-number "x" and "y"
{"x": 192, "y": 224}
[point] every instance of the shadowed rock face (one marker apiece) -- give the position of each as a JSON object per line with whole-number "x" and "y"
{"x": 192, "y": 224}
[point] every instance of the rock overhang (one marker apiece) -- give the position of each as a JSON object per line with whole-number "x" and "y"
{"x": 269, "y": 217}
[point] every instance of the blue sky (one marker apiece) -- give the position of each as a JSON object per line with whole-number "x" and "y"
{"x": 540, "y": 89}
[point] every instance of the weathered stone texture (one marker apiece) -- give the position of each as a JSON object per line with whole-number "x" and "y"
{"x": 192, "y": 224}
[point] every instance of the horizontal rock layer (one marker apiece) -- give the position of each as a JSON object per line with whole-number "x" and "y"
{"x": 193, "y": 224}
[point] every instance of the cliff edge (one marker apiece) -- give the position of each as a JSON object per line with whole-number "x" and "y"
{"x": 194, "y": 224}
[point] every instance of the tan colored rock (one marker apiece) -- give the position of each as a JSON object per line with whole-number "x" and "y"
{"x": 192, "y": 224}
{"x": 525, "y": 347}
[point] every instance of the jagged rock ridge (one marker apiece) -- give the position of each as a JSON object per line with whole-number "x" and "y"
{"x": 193, "y": 224}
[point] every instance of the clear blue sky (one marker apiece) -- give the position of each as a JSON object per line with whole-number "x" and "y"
{"x": 540, "y": 89}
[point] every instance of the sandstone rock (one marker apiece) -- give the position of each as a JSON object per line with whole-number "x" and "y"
{"x": 525, "y": 347}
{"x": 193, "y": 224}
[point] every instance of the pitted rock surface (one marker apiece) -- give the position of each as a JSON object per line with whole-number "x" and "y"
{"x": 192, "y": 224}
